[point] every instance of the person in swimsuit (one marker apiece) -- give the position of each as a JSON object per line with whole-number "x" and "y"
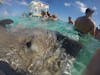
{"x": 85, "y": 24}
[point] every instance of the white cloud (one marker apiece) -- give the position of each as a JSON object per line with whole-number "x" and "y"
{"x": 67, "y": 4}
{"x": 6, "y": 13}
{"x": 94, "y": 7}
{"x": 6, "y": 2}
{"x": 24, "y": 3}
{"x": 82, "y": 6}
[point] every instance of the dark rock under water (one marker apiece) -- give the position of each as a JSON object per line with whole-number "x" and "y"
{"x": 37, "y": 51}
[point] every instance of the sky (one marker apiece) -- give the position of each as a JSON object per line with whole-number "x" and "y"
{"x": 62, "y": 8}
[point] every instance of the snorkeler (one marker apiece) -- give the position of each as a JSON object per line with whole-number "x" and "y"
{"x": 85, "y": 24}
{"x": 70, "y": 20}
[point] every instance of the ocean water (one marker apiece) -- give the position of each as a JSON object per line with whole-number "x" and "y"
{"x": 89, "y": 43}
{"x": 60, "y": 26}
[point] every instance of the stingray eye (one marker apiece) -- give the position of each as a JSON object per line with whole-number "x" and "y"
{"x": 28, "y": 44}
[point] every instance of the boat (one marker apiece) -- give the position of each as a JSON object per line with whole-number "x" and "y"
{"x": 36, "y": 7}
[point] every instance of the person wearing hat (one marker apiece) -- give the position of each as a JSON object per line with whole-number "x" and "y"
{"x": 85, "y": 24}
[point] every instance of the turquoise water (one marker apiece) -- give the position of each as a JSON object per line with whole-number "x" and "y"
{"x": 90, "y": 44}
{"x": 60, "y": 26}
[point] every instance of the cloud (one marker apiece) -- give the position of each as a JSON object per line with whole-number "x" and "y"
{"x": 94, "y": 7}
{"x": 24, "y": 3}
{"x": 6, "y": 13}
{"x": 6, "y": 2}
{"x": 11, "y": 2}
{"x": 67, "y": 4}
{"x": 82, "y": 6}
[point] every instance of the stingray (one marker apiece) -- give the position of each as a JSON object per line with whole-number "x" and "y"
{"x": 5, "y": 22}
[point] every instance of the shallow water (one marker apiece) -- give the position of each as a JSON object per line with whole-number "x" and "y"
{"x": 59, "y": 25}
{"x": 85, "y": 55}
{"x": 90, "y": 44}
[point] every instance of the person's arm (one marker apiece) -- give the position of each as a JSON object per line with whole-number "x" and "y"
{"x": 76, "y": 22}
{"x": 93, "y": 67}
{"x": 93, "y": 28}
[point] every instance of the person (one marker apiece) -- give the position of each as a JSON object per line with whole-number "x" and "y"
{"x": 48, "y": 14}
{"x": 30, "y": 14}
{"x": 45, "y": 15}
{"x": 54, "y": 18}
{"x": 85, "y": 24}
{"x": 42, "y": 13}
{"x": 97, "y": 34}
{"x": 93, "y": 67}
{"x": 70, "y": 20}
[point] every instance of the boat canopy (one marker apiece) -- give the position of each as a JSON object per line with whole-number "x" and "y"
{"x": 36, "y": 7}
